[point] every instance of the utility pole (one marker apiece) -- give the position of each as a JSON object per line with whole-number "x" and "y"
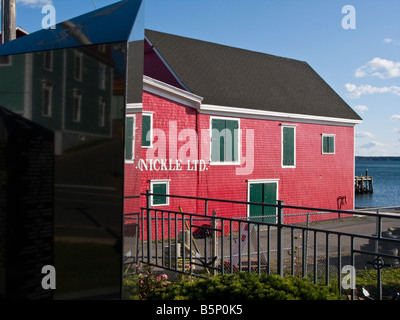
{"x": 8, "y": 20}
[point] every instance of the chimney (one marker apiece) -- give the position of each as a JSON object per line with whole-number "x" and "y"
{"x": 8, "y": 21}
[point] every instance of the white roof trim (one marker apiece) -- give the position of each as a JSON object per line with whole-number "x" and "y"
{"x": 170, "y": 92}
{"x": 134, "y": 107}
{"x": 272, "y": 115}
{"x": 189, "y": 99}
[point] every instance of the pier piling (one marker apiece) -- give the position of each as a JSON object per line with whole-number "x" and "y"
{"x": 363, "y": 184}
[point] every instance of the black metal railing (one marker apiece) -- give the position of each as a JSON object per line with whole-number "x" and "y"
{"x": 327, "y": 251}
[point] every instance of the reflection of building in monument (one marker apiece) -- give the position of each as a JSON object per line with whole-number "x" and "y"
{"x": 73, "y": 93}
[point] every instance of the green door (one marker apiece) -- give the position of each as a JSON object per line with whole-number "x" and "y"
{"x": 263, "y": 193}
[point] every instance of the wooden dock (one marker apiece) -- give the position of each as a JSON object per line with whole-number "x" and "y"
{"x": 363, "y": 184}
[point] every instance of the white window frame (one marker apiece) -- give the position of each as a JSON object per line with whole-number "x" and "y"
{"x": 80, "y": 55}
{"x": 77, "y": 94}
{"x": 48, "y": 54}
{"x": 148, "y": 113}
{"x": 164, "y": 181}
{"x": 322, "y": 142}
{"x": 102, "y": 76}
{"x": 102, "y": 112}
{"x": 133, "y": 137}
{"x": 249, "y": 182}
{"x": 294, "y": 145}
{"x": 47, "y": 86}
{"x": 226, "y": 163}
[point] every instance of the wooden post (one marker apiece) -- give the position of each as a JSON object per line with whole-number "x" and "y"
{"x": 8, "y": 21}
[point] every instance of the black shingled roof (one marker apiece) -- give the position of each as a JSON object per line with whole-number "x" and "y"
{"x": 227, "y": 76}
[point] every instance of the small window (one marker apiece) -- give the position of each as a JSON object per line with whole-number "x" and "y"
{"x": 78, "y": 66}
{"x": 130, "y": 138}
{"x": 328, "y": 143}
{"x": 48, "y": 60}
{"x": 161, "y": 188}
{"x": 76, "y": 107}
{"x": 224, "y": 141}
{"x": 288, "y": 146}
{"x": 102, "y": 113}
{"x": 147, "y": 130}
{"x": 5, "y": 61}
{"x": 102, "y": 76}
{"x": 47, "y": 99}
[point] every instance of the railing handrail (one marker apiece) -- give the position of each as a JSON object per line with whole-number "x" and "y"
{"x": 357, "y": 212}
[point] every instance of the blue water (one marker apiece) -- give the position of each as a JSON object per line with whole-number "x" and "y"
{"x": 386, "y": 181}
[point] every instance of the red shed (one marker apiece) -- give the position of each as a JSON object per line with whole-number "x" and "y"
{"x": 228, "y": 123}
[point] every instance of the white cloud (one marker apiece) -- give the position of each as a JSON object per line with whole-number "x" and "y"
{"x": 358, "y": 91}
{"x": 378, "y": 67}
{"x": 370, "y": 145}
{"x": 391, "y": 41}
{"x": 361, "y": 109}
{"x": 34, "y": 3}
{"x": 364, "y": 135}
{"x": 395, "y": 117}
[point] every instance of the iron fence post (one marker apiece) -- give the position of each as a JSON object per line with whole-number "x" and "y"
{"x": 379, "y": 235}
{"x": 214, "y": 242}
{"x": 280, "y": 238}
{"x": 148, "y": 226}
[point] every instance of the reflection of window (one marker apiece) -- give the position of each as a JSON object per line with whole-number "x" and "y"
{"x": 288, "y": 146}
{"x": 5, "y": 61}
{"x": 224, "y": 141}
{"x": 328, "y": 143}
{"x": 47, "y": 99}
{"x": 102, "y": 76}
{"x": 161, "y": 187}
{"x": 102, "y": 112}
{"x": 48, "y": 60}
{"x": 130, "y": 138}
{"x": 76, "y": 107}
{"x": 147, "y": 130}
{"x": 78, "y": 66}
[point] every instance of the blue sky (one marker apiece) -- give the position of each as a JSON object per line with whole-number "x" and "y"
{"x": 362, "y": 65}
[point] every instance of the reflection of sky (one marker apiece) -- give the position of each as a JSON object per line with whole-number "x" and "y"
{"x": 118, "y": 58}
{"x": 109, "y": 24}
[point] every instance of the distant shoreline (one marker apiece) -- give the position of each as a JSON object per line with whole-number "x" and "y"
{"x": 377, "y": 158}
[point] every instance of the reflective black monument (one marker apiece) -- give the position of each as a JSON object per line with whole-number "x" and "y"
{"x": 63, "y": 94}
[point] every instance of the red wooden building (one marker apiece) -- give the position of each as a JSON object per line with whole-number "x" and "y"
{"x": 228, "y": 123}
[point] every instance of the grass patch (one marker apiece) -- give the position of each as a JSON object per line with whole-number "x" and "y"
{"x": 368, "y": 279}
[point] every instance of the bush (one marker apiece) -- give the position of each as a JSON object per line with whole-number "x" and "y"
{"x": 244, "y": 286}
{"x": 142, "y": 284}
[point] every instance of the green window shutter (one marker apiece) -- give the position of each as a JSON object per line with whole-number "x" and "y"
{"x": 146, "y": 127}
{"x": 331, "y": 144}
{"x": 256, "y": 195}
{"x": 225, "y": 140}
{"x": 218, "y": 140}
{"x": 288, "y": 146}
{"x": 231, "y": 149}
{"x": 160, "y": 188}
{"x": 328, "y": 144}
{"x": 129, "y": 138}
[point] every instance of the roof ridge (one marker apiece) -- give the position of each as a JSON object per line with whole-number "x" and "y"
{"x": 226, "y": 46}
